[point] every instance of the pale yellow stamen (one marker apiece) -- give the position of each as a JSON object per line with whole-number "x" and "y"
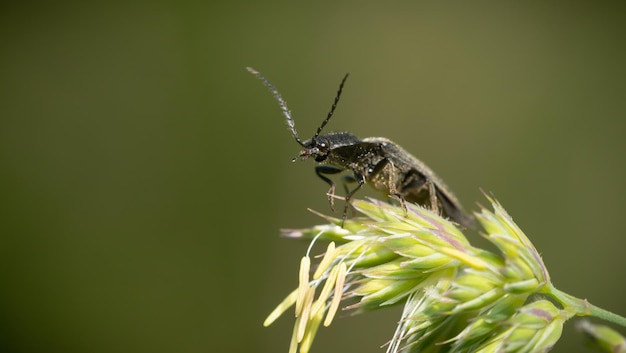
{"x": 281, "y": 308}
{"x": 307, "y": 341}
{"x": 334, "y": 305}
{"x": 329, "y": 256}
{"x": 328, "y": 286}
{"x": 303, "y": 285}
{"x": 304, "y": 315}
{"x": 293, "y": 343}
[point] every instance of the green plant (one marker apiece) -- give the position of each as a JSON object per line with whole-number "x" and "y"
{"x": 456, "y": 297}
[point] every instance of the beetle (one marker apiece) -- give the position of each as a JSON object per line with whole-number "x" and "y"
{"x": 378, "y": 161}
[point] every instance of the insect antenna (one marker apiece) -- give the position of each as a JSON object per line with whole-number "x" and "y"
{"x": 332, "y": 109}
{"x": 281, "y": 103}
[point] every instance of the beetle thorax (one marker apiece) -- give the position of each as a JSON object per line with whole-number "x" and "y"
{"x": 321, "y": 147}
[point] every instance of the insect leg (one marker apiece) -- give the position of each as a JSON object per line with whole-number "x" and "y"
{"x": 415, "y": 184}
{"x": 434, "y": 202}
{"x": 391, "y": 183}
{"x": 348, "y": 179}
{"x": 320, "y": 170}
{"x": 359, "y": 179}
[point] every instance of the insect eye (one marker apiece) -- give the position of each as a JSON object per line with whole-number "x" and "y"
{"x": 324, "y": 148}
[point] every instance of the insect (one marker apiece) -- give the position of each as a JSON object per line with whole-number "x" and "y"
{"x": 377, "y": 161}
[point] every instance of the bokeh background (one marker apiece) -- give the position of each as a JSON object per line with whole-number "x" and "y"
{"x": 144, "y": 174}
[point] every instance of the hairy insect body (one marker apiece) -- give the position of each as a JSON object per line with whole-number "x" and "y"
{"x": 378, "y": 161}
{"x": 390, "y": 169}
{"x": 412, "y": 180}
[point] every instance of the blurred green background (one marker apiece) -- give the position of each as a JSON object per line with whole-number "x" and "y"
{"x": 144, "y": 174}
